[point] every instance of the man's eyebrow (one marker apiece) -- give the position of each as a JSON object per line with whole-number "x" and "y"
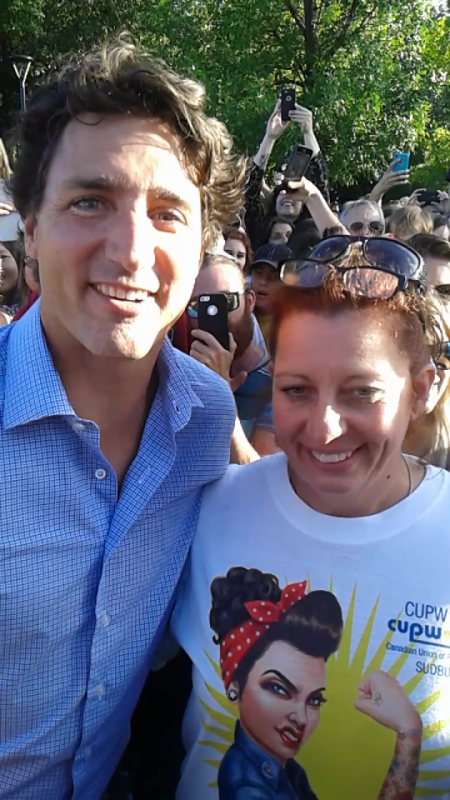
{"x": 121, "y": 183}
{"x": 290, "y": 686}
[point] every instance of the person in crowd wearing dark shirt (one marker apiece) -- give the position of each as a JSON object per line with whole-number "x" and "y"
{"x": 287, "y": 209}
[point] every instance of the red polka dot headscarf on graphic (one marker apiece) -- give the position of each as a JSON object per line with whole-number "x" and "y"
{"x": 263, "y": 613}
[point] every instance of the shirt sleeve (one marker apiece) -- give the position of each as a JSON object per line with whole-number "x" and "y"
{"x": 317, "y": 173}
{"x": 265, "y": 419}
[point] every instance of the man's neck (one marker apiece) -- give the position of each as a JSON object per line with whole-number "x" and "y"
{"x": 114, "y": 393}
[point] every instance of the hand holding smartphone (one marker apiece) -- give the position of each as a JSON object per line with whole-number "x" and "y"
{"x": 297, "y": 163}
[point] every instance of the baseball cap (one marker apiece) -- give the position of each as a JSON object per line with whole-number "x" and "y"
{"x": 273, "y": 254}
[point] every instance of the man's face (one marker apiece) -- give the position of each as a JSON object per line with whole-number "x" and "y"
{"x": 221, "y": 278}
{"x": 264, "y": 279}
{"x": 117, "y": 236}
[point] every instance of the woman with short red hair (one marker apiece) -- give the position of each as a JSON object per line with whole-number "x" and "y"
{"x": 341, "y": 509}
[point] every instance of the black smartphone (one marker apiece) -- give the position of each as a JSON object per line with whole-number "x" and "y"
{"x": 428, "y": 196}
{"x": 297, "y": 163}
{"x": 288, "y": 100}
{"x": 213, "y": 317}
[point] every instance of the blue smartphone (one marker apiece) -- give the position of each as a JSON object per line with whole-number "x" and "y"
{"x": 403, "y": 163}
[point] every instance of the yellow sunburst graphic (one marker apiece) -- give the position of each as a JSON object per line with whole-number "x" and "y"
{"x": 349, "y": 750}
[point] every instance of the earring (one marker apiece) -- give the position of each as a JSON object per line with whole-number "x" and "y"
{"x": 232, "y": 695}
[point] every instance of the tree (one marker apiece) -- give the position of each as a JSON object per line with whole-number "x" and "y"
{"x": 367, "y": 70}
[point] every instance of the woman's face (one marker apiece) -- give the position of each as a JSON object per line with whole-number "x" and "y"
{"x": 288, "y": 206}
{"x": 364, "y": 220}
{"x": 9, "y": 271}
{"x": 236, "y": 248}
{"x": 342, "y": 402}
{"x": 280, "y": 232}
{"x": 280, "y": 705}
{"x": 264, "y": 280}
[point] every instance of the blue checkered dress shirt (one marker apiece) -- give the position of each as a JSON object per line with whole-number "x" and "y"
{"x": 87, "y": 577}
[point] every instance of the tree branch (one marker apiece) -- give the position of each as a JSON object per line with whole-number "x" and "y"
{"x": 347, "y": 32}
{"x": 348, "y": 22}
{"x": 295, "y": 15}
{"x": 310, "y": 32}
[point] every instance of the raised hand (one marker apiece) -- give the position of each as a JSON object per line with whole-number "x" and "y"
{"x": 383, "y": 698}
{"x": 275, "y": 126}
{"x": 390, "y": 179}
{"x": 304, "y": 118}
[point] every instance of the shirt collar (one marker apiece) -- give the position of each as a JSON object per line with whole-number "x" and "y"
{"x": 269, "y": 767}
{"x": 178, "y": 394}
{"x": 33, "y": 388}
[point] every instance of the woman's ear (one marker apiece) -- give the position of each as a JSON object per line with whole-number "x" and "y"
{"x": 426, "y": 391}
{"x": 438, "y": 388}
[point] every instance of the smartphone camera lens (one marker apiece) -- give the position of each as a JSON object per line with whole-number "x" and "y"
{"x": 212, "y": 311}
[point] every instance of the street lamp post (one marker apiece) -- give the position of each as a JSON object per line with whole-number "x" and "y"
{"x": 21, "y": 66}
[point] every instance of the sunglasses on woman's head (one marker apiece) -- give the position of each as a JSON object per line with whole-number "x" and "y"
{"x": 391, "y": 267}
{"x": 233, "y": 302}
{"x": 358, "y": 227}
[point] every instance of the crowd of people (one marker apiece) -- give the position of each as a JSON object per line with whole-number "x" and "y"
{"x": 227, "y": 535}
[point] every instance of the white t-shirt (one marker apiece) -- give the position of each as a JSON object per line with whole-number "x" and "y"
{"x": 390, "y": 574}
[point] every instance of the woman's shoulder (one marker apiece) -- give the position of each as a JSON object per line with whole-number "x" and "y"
{"x": 247, "y": 480}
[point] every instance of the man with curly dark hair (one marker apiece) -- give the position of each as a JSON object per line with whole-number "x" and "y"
{"x": 122, "y": 181}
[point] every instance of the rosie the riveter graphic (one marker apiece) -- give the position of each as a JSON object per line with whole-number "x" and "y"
{"x": 274, "y": 645}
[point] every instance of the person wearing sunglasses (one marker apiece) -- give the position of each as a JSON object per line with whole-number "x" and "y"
{"x": 363, "y": 218}
{"x": 343, "y": 509}
{"x": 245, "y": 366}
{"x": 436, "y": 255}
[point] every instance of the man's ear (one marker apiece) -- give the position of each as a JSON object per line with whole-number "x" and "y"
{"x": 250, "y": 299}
{"x": 426, "y": 391}
{"x": 29, "y": 229}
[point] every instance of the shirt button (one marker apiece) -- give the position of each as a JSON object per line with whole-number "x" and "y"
{"x": 100, "y": 691}
{"x": 100, "y": 474}
{"x": 104, "y": 619}
{"x": 176, "y": 408}
{"x": 88, "y": 752}
{"x": 78, "y": 426}
{"x": 268, "y": 769}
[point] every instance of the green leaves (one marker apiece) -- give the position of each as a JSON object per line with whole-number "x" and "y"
{"x": 374, "y": 76}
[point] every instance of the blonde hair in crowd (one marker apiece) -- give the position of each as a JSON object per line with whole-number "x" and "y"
{"x": 405, "y": 222}
{"x": 429, "y": 435}
{"x": 5, "y": 169}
